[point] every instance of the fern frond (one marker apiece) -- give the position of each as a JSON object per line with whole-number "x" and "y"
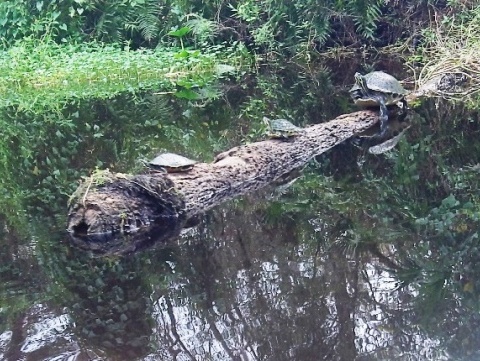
{"x": 322, "y": 28}
{"x": 148, "y": 19}
{"x": 149, "y": 27}
{"x": 203, "y": 29}
{"x": 366, "y": 13}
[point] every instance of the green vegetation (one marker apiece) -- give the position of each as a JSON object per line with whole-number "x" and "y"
{"x": 452, "y": 47}
{"x": 274, "y": 24}
{"x": 69, "y": 69}
{"x": 54, "y": 96}
{"x": 38, "y": 77}
{"x": 88, "y": 86}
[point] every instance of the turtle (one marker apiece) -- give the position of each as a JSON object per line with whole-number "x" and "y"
{"x": 282, "y": 128}
{"x": 171, "y": 163}
{"x": 378, "y": 89}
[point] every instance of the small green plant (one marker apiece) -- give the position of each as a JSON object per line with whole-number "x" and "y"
{"x": 204, "y": 30}
{"x": 180, "y": 34}
{"x": 247, "y": 10}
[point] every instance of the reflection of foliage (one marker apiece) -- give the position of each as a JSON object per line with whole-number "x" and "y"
{"x": 450, "y": 234}
{"x": 22, "y": 279}
{"x": 443, "y": 269}
{"x": 234, "y": 280}
{"x": 107, "y": 298}
{"x": 416, "y": 209}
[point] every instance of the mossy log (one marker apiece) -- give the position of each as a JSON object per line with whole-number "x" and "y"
{"x": 109, "y": 212}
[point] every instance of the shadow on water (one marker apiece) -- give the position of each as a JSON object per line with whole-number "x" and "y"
{"x": 362, "y": 258}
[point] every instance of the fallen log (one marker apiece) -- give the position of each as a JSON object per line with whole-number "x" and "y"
{"x": 115, "y": 213}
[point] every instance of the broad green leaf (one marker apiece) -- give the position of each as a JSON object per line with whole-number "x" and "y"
{"x": 180, "y": 32}
{"x": 187, "y": 94}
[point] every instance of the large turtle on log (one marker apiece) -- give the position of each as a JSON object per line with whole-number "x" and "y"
{"x": 378, "y": 89}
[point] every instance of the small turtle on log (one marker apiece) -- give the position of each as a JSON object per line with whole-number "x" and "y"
{"x": 171, "y": 163}
{"x": 378, "y": 89}
{"x": 282, "y": 128}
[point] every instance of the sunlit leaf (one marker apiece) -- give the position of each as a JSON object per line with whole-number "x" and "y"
{"x": 187, "y": 94}
{"x": 180, "y": 32}
{"x": 182, "y": 54}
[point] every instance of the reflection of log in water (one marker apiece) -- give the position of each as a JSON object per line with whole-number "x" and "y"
{"x": 118, "y": 204}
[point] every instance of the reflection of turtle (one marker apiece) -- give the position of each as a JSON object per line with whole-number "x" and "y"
{"x": 376, "y": 145}
{"x": 282, "y": 128}
{"x": 171, "y": 162}
{"x": 388, "y": 144}
{"x": 378, "y": 89}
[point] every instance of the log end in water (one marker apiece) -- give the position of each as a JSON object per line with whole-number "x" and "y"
{"x": 124, "y": 213}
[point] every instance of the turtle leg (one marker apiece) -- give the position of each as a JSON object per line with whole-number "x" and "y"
{"x": 383, "y": 120}
{"x": 358, "y": 142}
{"x": 402, "y": 115}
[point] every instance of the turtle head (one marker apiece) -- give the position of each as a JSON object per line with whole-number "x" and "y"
{"x": 358, "y": 90}
{"x": 361, "y": 81}
{"x": 267, "y": 122}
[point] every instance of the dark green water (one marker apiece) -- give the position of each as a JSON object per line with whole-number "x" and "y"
{"x": 362, "y": 258}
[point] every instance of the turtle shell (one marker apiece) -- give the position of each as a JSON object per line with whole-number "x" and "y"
{"x": 372, "y": 85}
{"x": 282, "y": 128}
{"x": 172, "y": 162}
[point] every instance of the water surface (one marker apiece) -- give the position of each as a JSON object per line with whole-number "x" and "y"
{"x": 362, "y": 258}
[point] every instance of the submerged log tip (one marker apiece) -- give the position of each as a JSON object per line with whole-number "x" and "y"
{"x": 122, "y": 234}
{"x": 117, "y": 216}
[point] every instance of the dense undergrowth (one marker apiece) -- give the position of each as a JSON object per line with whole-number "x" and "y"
{"x": 272, "y": 24}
